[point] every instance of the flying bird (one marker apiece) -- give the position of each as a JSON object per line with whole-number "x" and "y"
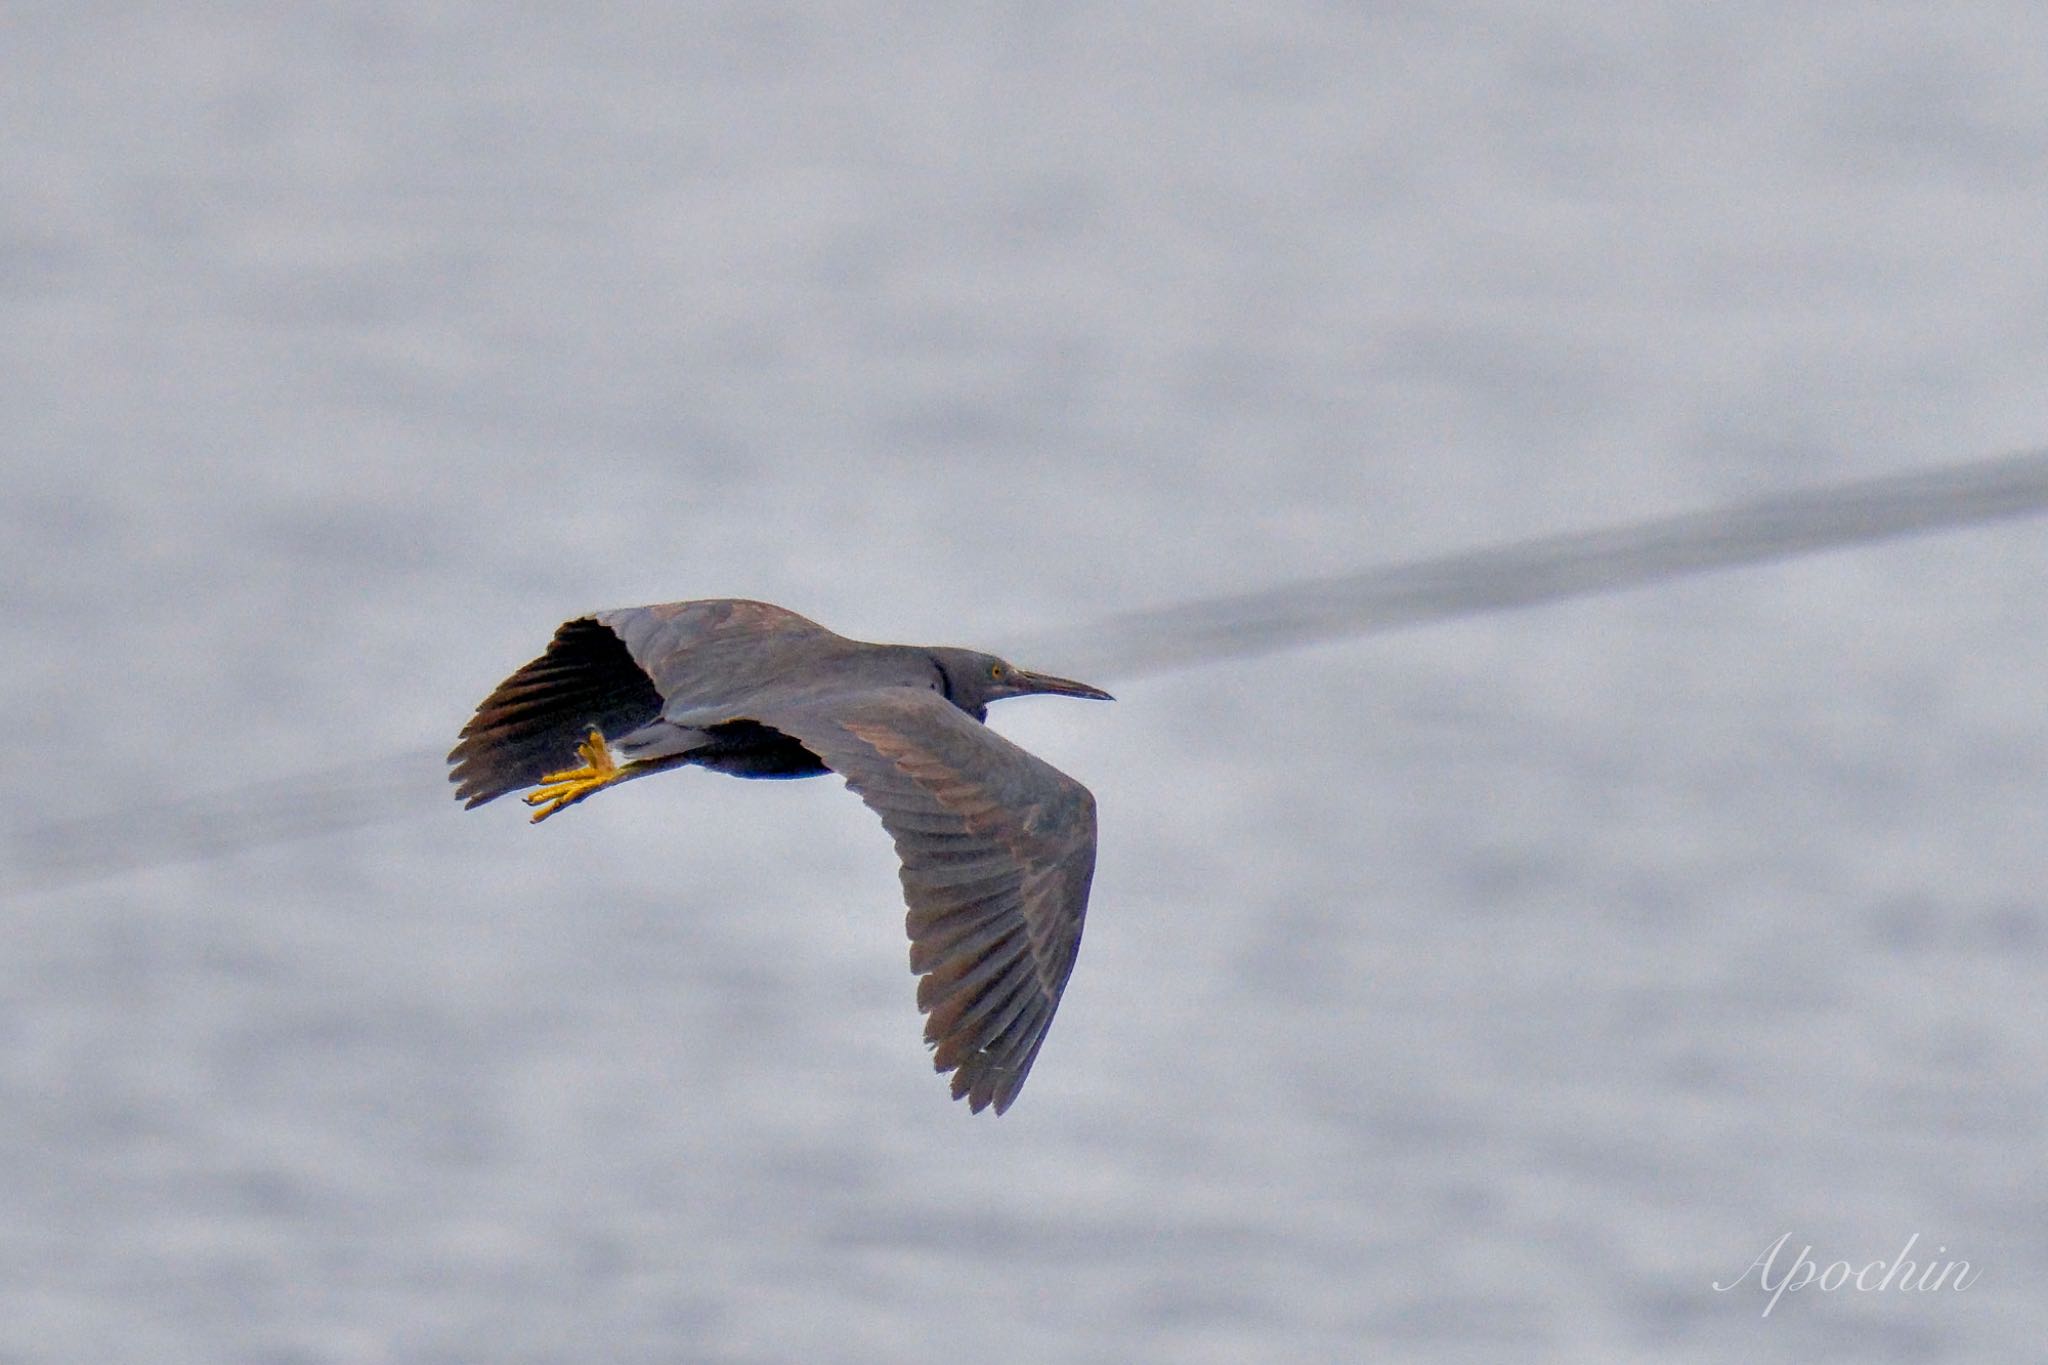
{"x": 997, "y": 846}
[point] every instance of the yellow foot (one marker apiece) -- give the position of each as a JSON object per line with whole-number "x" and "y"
{"x": 557, "y": 791}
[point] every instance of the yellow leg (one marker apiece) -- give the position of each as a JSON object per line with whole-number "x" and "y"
{"x": 558, "y": 791}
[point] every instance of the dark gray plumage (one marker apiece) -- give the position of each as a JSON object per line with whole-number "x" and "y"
{"x": 997, "y": 846}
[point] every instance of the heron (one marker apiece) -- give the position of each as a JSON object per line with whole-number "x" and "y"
{"x": 997, "y": 846}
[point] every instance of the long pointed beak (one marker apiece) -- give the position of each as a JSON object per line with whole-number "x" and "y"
{"x": 1028, "y": 684}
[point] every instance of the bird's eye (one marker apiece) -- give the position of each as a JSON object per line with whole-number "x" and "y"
{"x": 995, "y": 671}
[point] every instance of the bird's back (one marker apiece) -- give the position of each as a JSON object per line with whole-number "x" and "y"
{"x": 718, "y": 657}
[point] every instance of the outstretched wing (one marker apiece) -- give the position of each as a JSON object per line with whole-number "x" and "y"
{"x": 998, "y": 848}
{"x": 619, "y": 670}
{"x": 531, "y": 723}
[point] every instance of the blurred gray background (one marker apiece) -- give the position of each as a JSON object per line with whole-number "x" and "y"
{"x": 1480, "y": 992}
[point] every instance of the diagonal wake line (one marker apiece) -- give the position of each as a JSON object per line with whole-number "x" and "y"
{"x": 1553, "y": 568}
{"x": 56, "y": 853}
{"x": 1139, "y": 643}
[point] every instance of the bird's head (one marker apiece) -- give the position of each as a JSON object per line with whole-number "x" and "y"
{"x": 973, "y": 680}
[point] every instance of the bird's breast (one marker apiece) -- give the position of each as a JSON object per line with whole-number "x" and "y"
{"x": 745, "y": 748}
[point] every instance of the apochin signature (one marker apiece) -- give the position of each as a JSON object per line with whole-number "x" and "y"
{"x": 1873, "y": 1277}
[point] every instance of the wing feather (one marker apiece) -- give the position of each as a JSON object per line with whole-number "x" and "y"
{"x": 531, "y": 723}
{"x": 998, "y": 849}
